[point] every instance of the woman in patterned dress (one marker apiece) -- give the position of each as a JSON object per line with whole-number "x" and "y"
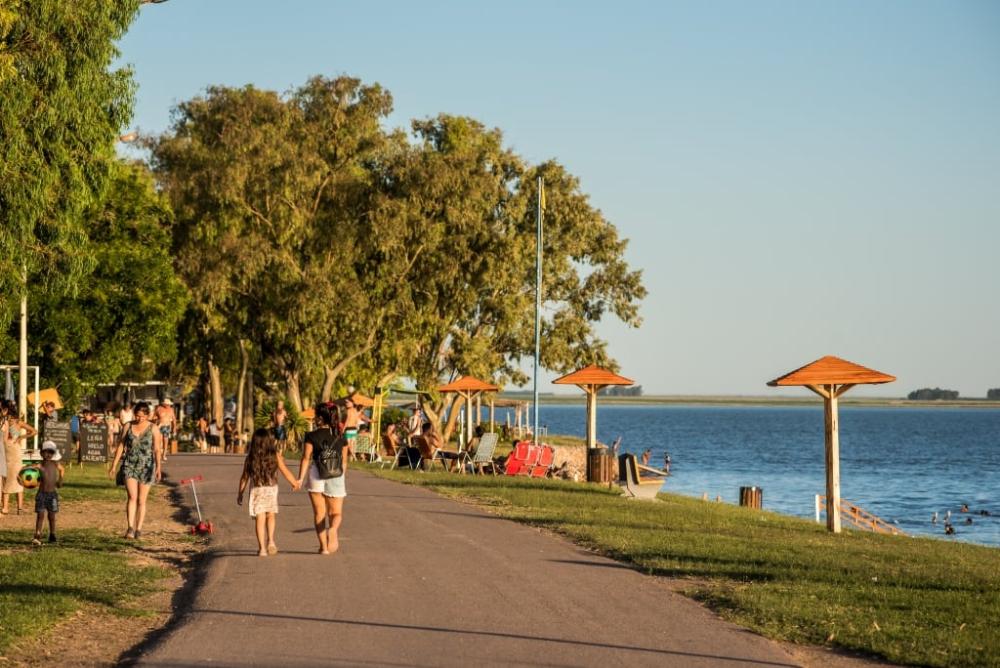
{"x": 140, "y": 451}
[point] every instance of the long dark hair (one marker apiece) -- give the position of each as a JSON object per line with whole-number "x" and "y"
{"x": 262, "y": 460}
{"x": 328, "y": 415}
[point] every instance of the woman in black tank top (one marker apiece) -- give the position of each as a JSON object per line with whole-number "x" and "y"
{"x": 326, "y": 494}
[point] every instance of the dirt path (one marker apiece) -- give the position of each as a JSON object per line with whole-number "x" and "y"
{"x": 95, "y": 635}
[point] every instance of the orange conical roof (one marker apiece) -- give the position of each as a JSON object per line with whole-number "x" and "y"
{"x": 593, "y": 375}
{"x": 468, "y": 384}
{"x": 832, "y": 370}
{"x": 361, "y": 400}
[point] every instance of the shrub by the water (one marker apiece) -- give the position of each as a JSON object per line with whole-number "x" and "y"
{"x": 928, "y": 394}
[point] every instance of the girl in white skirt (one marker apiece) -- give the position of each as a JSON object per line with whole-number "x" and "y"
{"x": 260, "y": 472}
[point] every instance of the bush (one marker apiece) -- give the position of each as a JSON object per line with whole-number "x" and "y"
{"x": 937, "y": 394}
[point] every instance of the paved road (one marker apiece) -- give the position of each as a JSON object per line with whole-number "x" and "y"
{"x": 425, "y": 581}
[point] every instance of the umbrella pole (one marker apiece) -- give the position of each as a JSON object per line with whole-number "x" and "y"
{"x": 832, "y": 434}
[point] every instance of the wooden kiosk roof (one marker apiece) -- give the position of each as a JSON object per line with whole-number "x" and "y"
{"x": 832, "y": 370}
{"x": 593, "y": 375}
{"x": 468, "y": 384}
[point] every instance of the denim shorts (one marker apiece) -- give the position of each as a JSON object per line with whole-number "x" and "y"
{"x": 332, "y": 487}
{"x": 47, "y": 501}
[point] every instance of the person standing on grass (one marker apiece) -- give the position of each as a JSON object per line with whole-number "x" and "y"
{"x": 3, "y": 445}
{"x": 16, "y": 434}
{"x": 140, "y": 451}
{"x": 47, "y": 498}
{"x": 415, "y": 424}
{"x": 125, "y": 415}
{"x": 326, "y": 494}
{"x": 260, "y": 472}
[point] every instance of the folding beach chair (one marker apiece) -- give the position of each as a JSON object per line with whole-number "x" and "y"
{"x": 363, "y": 448}
{"x": 483, "y": 456}
{"x": 426, "y": 455}
{"x": 546, "y": 455}
{"x": 389, "y": 454}
{"x": 520, "y": 459}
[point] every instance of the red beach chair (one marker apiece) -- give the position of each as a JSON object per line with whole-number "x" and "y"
{"x": 545, "y": 458}
{"x": 517, "y": 460}
{"x": 530, "y": 459}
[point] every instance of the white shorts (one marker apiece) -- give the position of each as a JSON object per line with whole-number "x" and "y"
{"x": 332, "y": 487}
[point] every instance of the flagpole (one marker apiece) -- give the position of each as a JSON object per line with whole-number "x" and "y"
{"x": 538, "y": 299}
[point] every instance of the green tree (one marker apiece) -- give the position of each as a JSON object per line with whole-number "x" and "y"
{"x": 475, "y": 291}
{"x": 61, "y": 109}
{"x": 271, "y": 196}
{"x": 124, "y": 315}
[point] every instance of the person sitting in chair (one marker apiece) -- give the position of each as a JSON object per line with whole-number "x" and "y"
{"x": 431, "y": 446}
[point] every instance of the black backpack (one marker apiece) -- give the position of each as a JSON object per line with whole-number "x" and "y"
{"x": 328, "y": 454}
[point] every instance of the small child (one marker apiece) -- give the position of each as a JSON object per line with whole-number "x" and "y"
{"x": 47, "y": 499}
{"x": 260, "y": 471}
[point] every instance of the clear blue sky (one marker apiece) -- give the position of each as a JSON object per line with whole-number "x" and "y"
{"x": 797, "y": 178}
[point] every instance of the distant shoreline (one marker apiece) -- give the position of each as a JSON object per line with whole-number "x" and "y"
{"x": 738, "y": 400}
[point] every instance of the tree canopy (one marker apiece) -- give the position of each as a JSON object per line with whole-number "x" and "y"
{"x": 343, "y": 252}
{"x": 61, "y": 108}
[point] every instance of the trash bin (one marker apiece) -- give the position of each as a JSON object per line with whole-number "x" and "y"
{"x": 752, "y": 497}
{"x": 600, "y": 465}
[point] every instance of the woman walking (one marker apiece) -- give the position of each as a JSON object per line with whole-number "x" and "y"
{"x": 326, "y": 494}
{"x": 140, "y": 451}
{"x": 16, "y": 433}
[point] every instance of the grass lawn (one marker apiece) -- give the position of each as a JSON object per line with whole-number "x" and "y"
{"x": 909, "y": 600}
{"x": 40, "y": 586}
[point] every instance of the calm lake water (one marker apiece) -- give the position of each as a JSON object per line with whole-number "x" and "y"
{"x": 902, "y": 464}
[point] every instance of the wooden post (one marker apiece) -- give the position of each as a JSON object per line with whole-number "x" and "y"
{"x": 468, "y": 432}
{"x": 591, "y": 391}
{"x": 492, "y": 415}
{"x": 832, "y": 460}
{"x": 591, "y": 416}
{"x": 479, "y": 408}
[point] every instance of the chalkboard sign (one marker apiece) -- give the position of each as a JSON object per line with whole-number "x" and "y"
{"x": 58, "y": 433}
{"x": 93, "y": 442}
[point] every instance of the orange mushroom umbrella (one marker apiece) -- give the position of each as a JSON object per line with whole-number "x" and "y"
{"x": 468, "y": 387}
{"x": 361, "y": 400}
{"x": 830, "y": 377}
{"x": 591, "y": 379}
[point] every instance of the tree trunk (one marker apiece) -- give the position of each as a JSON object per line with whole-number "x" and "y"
{"x": 452, "y": 405}
{"x": 249, "y": 402}
{"x": 215, "y": 384}
{"x": 241, "y": 386}
{"x": 292, "y": 389}
{"x": 329, "y": 378}
{"x": 330, "y": 374}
